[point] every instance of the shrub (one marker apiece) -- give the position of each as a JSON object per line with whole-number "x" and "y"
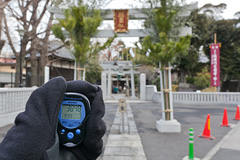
{"x": 203, "y": 79}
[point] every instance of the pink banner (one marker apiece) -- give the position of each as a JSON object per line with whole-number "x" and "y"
{"x": 215, "y": 65}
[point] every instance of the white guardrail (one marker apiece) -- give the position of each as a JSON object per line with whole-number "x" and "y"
{"x": 207, "y": 97}
{"x": 12, "y": 102}
{"x": 195, "y": 97}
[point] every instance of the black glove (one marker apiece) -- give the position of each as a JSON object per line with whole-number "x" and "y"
{"x": 35, "y": 129}
{"x": 92, "y": 145}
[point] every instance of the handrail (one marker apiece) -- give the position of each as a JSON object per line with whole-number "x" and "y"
{"x": 14, "y": 99}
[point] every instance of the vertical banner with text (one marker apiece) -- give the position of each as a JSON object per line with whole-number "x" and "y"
{"x": 121, "y": 20}
{"x": 215, "y": 64}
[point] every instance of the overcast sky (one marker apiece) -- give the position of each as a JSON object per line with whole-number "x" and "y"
{"x": 233, "y": 6}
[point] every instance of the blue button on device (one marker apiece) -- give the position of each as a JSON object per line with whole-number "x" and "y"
{"x": 78, "y": 131}
{"x": 70, "y": 135}
{"x": 63, "y": 130}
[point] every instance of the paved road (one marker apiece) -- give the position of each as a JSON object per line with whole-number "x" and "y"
{"x": 174, "y": 146}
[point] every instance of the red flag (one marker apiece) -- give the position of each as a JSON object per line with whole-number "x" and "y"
{"x": 215, "y": 65}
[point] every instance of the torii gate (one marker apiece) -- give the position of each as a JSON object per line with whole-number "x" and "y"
{"x": 133, "y": 14}
{"x": 122, "y": 67}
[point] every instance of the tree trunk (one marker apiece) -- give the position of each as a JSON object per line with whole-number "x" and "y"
{"x": 34, "y": 64}
{"x": 183, "y": 76}
{"x": 79, "y": 71}
{"x": 44, "y": 51}
{"x": 17, "y": 75}
{"x": 2, "y": 42}
{"x": 238, "y": 87}
{"x": 164, "y": 80}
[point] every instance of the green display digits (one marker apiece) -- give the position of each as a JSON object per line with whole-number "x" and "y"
{"x": 71, "y": 112}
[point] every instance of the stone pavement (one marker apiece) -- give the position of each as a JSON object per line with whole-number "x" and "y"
{"x": 124, "y": 143}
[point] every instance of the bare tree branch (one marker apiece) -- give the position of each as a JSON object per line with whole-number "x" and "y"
{"x": 3, "y": 4}
{"x": 8, "y": 35}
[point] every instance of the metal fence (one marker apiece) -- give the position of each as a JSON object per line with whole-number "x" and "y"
{"x": 13, "y": 99}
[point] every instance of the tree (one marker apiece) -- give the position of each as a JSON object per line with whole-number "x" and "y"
{"x": 93, "y": 71}
{"x": 205, "y": 25}
{"x": 3, "y": 4}
{"x": 30, "y": 17}
{"x": 81, "y": 26}
{"x": 165, "y": 50}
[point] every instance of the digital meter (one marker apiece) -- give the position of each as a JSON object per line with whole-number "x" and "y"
{"x": 72, "y": 119}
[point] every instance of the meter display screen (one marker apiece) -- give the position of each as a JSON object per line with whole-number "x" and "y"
{"x": 71, "y": 111}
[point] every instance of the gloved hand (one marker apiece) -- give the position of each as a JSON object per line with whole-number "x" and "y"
{"x": 92, "y": 145}
{"x": 34, "y": 131}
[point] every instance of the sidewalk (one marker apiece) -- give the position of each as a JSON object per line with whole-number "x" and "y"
{"x": 124, "y": 143}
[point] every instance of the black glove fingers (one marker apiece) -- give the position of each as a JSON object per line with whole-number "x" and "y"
{"x": 34, "y": 129}
{"x": 98, "y": 106}
{"x": 95, "y": 131}
{"x": 82, "y": 87}
{"x": 49, "y": 98}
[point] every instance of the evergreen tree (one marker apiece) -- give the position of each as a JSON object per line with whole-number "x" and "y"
{"x": 165, "y": 49}
{"x": 80, "y": 26}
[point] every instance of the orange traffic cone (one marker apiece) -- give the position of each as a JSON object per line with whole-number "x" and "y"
{"x": 237, "y": 117}
{"x": 207, "y": 130}
{"x": 225, "y": 119}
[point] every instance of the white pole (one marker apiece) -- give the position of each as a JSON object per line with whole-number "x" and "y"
{"x": 109, "y": 83}
{"x": 46, "y": 77}
{"x": 75, "y": 71}
{"x": 132, "y": 84}
{"x": 84, "y": 73}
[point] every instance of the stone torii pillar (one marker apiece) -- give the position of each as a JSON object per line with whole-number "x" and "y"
{"x": 132, "y": 84}
{"x": 109, "y": 91}
{"x": 104, "y": 85}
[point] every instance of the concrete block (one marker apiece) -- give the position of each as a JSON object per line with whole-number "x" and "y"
{"x": 171, "y": 126}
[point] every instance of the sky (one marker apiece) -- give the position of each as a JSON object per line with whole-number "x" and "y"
{"x": 232, "y": 6}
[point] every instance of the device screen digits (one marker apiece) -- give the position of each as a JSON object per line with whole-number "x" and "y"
{"x": 72, "y": 119}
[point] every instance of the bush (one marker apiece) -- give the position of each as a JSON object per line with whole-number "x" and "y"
{"x": 190, "y": 80}
{"x": 174, "y": 87}
{"x": 203, "y": 79}
{"x": 93, "y": 71}
{"x": 156, "y": 82}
